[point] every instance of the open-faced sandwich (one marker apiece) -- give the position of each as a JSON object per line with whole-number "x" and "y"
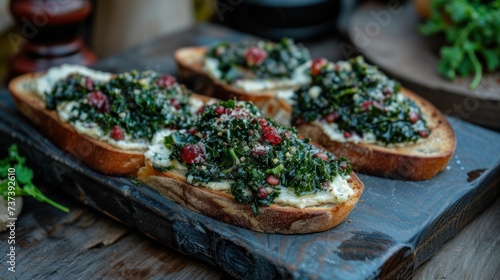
{"x": 241, "y": 168}
{"x": 246, "y": 71}
{"x": 354, "y": 110}
{"x": 105, "y": 120}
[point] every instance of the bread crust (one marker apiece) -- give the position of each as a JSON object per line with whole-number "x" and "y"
{"x": 271, "y": 219}
{"x": 96, "y": 154}
{"x": 190, "y": 61}
{"x": 418, "y": 161}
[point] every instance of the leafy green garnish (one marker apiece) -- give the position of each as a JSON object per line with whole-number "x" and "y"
{"x": 472, "y": 30}
{"x": 358, "y": 99}
{"x": 23, "y": 177}
{"x": 253, "y": 154}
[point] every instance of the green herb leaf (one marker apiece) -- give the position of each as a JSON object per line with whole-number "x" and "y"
{"x": 23, "y": 175}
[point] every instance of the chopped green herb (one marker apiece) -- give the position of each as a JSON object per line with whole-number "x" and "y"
{"x": 141, "y": 103}
{"x": 23, "y": 177}
{"x": 472, "y": 32}
{"x": 358, "y": 99}
{"x": 236, "y": 144}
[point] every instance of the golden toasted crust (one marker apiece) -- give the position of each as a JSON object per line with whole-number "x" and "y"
{"x": 190, "y": 61}
{"x": 271, "y": 219}
{"x": 96, "y": 154}
{"x": 419, "y": 161}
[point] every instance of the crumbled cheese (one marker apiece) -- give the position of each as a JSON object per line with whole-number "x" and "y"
{"x": 159, "y": 155}
{"x": 314, "y": 92}
{"x": 67, "y": 110}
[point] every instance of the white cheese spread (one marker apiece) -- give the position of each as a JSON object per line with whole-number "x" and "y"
{"x": 46, "y": 82}
{"x": 299, "y": 77}
{"x": 338, "y": 190}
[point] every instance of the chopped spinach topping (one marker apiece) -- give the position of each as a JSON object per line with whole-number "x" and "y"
{"x": 234, "y": 143}
{"x": 141, "y": 103}
{"x": 358, "y": 98}
{"x": 261, "y": 60}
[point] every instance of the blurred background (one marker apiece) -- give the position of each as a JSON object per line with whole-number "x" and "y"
{"x": 112, "y": 26}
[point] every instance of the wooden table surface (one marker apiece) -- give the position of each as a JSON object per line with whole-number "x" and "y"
{"x": 52, "y": 244}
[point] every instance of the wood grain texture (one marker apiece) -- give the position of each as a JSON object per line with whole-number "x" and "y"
{"x": 474, "y": 254}
{"x": 87, "y": 245}
{"x": 387, "y": 34}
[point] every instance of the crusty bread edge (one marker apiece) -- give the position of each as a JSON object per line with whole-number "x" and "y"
{"x": 271, "y": 219}
{"x": 96, "y": 154}
{"x": 396, "y": 163}
{"x": 190, "y": 61}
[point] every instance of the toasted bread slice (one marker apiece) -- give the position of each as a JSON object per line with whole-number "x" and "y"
{"x": 96, "y": 154}
{"x": 271, "y": 219}
{"x": 190, "y": 62}
{"x": 419, "y": 161}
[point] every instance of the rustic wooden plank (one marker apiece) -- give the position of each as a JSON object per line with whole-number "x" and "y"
{"x": 474, "y": 254}
{"x": 84, "y": 243}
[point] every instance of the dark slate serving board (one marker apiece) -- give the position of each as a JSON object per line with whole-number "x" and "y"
{"x": 394, "y": 229}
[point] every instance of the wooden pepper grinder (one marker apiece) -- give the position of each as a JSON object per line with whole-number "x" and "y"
{"x": 51, "y": 29}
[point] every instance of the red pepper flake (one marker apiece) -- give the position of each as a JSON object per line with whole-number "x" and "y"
{"x": 343, "y": 165}
{"x": 413, "y": 117}
{"x": 331, "y": 117}
{"x": 192, "y": 130}
{"x": 220, "y": 110}
{"x": 261, "y": 192}
{"x": 272, "y": 180}
{"x": 89, "y": 83}
{"x": 271, "y": 135}
{"x": 347, "y": 134}
{"x": 176, "y": 103}
{"x": 423, "y": 133}
{"x": 317, "y": 65}
{"x": 99, "y": 101}
{"x": 201, "y": 110}
{"x": 193, "y": 153}
{"x": 322, "y": 156}
{"x": 255, "y": 56}
{"x": 258, "y": 151}
{"x": 117, "y": 133}
{"x": 165, "y": 81}
{"x": 367, "y": 104}
{"x": 263, "y": 122}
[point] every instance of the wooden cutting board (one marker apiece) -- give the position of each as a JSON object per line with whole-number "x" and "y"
{"x": 395, "y": 228}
